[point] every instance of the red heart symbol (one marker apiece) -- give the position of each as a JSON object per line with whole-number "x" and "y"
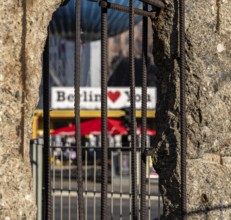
{"x": 113, "y": 95}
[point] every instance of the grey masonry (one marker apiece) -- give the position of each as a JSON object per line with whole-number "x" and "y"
{"x": 208, "y": 92}
{"x": 208, "y": 46}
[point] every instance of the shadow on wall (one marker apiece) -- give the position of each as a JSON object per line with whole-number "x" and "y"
{"x": 167, "y": 150}
{"x": 206, "y": 210}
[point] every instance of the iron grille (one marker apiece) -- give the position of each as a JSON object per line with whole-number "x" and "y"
{"x": 138, "y": 197}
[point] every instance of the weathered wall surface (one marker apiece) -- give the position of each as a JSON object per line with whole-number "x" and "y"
{"x": 208, "y": 31}
{"x": 18, "y": 98}
{"x": 208, "y": 54}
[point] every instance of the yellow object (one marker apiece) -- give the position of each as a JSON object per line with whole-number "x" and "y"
{"x": 56, "y": 115}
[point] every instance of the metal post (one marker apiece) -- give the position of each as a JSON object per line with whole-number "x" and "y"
{"x": 39, "y": 180}
{"x": 183, "y": 112}
{"x": 104, "y": 145}
{"x": 77, "y": 111}
{"x": 144, "y": 114}
{"x": 24, "y": 74}
{"x": 46, "y": 130}
{"x": 133, "y": 111}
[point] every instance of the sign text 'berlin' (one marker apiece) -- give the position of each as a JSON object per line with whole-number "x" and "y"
{"x": 90, "y": 98}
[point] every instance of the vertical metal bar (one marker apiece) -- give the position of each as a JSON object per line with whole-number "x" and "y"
{"x": 94, "y": 186}
{"x": 46, "y": 130}
{"x": 133, "y": 110}
{"x": 104, "y": 144}
{"x": 138, "y": 173}
{"x": 112, "y": 184}
{"x": 144, "y": 114}
{"x": 69, "y": 186}
{"x": 149, "y": 191}
{"x": 53, "y": 189}
{"x": 40, "y": 181}
{"x": 130, "y": 185}
{"x": 37, "y": 167}
{"x": 23, "y": 76}
{"x": 183, "y": 111}
{"x": 77, "y": 207}
{"x": 121, "y": 188}
{"x": 86, "y": 184}
{"x": 77, "y": 110}
{"x": 34, "y": 160}
{"x": 61, "y": 187}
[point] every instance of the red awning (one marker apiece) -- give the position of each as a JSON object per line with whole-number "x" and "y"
{"x": 93, "y": 127}
{"x": 68, "y": 130}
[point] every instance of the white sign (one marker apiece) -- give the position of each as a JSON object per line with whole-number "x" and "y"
{"x": 90, "y": 98}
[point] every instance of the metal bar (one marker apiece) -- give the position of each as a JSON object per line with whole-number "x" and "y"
{"x": 125, "y": 9}
{"x": 133, "y": 111}
{"x": 53, "y": 188}
{"x": 112, "y": 184}
{"x": 130, "y": 186}
{"x": 69, "y": 186}
{"x": 125, "y": 149}
{"x": 94, "y": 186}
{"x": 139, "y": 202}
{"x": 35, "y": 172}
{"x": 91, "y": 192}
{"x": 77, "y": 111}
{"x": 149, "y": 192}
{"x": 183, "y": 111}
{"x": 86, "y": 184}
{"x": 23, "y": 76}
{"x": 46, "y": 129}
{"x": 156, "y": 3}
{"x": 40, "y": 181}
{"x": 143, "y": 163}
{"x": 121, "y": 188}
{"x": 104, "y": 144}
{"x": 61, "y": 185}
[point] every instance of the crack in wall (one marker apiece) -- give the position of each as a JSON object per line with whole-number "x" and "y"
{"x": 218, "y": 24}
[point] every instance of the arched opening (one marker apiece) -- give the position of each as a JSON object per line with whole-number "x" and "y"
{"x": 120, "y": 154}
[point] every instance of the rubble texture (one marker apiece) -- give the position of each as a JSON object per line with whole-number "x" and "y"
{"x": 20, "y": 75}
{"x": 208, "y": 92}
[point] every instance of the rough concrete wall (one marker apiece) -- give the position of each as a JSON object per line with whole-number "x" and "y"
{"x": 208, "y": 54}
{"x": 19, "y": 83}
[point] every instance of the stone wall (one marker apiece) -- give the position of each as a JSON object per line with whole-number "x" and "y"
{"x": 20, "y": 75}
{"x": 208, "y": 91}
{"x": 208, "y": 46}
